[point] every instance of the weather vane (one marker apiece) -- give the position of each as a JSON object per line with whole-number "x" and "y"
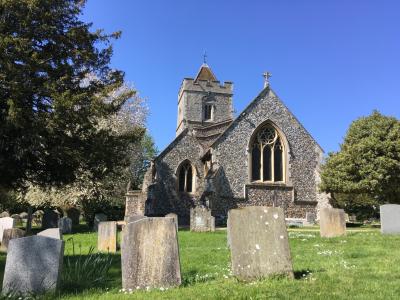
{"x": 266, "y": 76}
{"x": 205, "y": 57}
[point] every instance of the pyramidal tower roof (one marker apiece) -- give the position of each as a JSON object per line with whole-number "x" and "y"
{"x": 205, "y": 73}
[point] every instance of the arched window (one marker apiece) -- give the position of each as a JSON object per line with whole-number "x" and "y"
{"x": 267, "y": 156}
{"x": 185, "y": 177}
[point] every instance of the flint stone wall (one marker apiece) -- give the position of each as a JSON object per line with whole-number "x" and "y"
{"x": 390, "y": 219}
{"x": 150, "y": 254}
{"x": 33, "y": 265}
{"x": 332, "y": 222}
{"x": 259, "y": 242}
{"x": 107, "y": 237}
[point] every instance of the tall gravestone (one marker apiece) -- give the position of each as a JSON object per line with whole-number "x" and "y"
{"x": 259, "y": 243}
{"x": 390, "y": 219}
{"x": 201, "y": 219}
{"x": 6, "y": 223}
{"x": 97, "y": 219}
{"x": 33, "y": 265}
{"x": 50, "y": 219}
{"x": 9, "y": 234}
{"x": 74, "y": 214}
{"x": 150, "y": 254}
{"x": 332, "y": 222}
{"x": 107, "y": 237}
{"x": 65, "y": 225}
{"x": 54, "y": 233}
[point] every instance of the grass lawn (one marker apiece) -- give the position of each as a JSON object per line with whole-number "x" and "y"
{"x": 362, "y": 265}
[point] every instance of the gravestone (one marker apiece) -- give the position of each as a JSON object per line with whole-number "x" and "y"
{"x": 37, "y": 217}
{"x": 6, "y": 223}
{"x": 134, "y": 218}
{"x": 9, "y": 234}
{"x": 332, "y": 222}
{"x": 390, "y": 219}
{"x": 33, "y": 265}
{"x": 259, "y": 243}
{"x": 346, "y": 218}
{"x": 54, "y": 233}
{"x": 311, "y": 218}
{"x": 228, "y": 232}
{"x": 65, "y": 225}
{"x": 23, "y": 215}
{"x": 50, "y": 219}
{"x": 107, "y": 237}
{"x": 150, "y": 254}
{"x": 74, "y": 214}
{"x": 175, "y": 217}
{"x": 201, "y": 219}
{"x": 18, "y": 219}
{"x": 4, "y": 214}
{"x": 97, "y": 219}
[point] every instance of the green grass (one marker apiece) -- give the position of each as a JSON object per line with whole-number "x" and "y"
{"x": 362, "y": 265}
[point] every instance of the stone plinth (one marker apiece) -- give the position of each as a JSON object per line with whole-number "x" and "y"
{"x": 332, "y": 222}
{"x": 150, "y": 254}
{"x": 107, "y": 237}
{"x": 33, "y": 265}
{"x": 259, "y": 243}
{"x": 97, "y": 219}
{"x": 390, "y": 219}
{"x": 9, "y": 234}
{"x": 6, "y": 223}
{"x": 201, "y": 219}
{"x": 54, "y": 233}
{"x": 65, "y": 225}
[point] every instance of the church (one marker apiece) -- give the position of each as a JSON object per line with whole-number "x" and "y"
{"x": 264, "y": 156}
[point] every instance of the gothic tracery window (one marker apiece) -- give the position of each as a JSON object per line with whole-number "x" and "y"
{"x": 185, "y": 177}
{"x": 267, "y": 156}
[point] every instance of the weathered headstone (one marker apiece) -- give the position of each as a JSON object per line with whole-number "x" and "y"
{"x": 259, "y": 243}
{"x": 332, "y": 222}
{"x": 390, "y": 218}
{"x": 134, "y": 203}
{"x": 24, "y": 215}
{"x": 50, "y": 219}
{"x": 201, "y": 219}
{"x": 9, "y": 234}
{"x": 175, "y": 217}
{"x": 74, "y": 214}
{"x": 54, "y": 233}
{"x": 150, "y": 254}
{"x": 346, "y": 218}
{"x": 133, "y": 218}
{"x": 65, "y": 225}
{"x": 311, "y": 218}
{"x": 33, "y": 265}
{"x": 37, "y": 217}
{"x": 6, "y": 223}
{"x": 107, "y": 237}
{"x": 97, "y": 219}
{"x": 228, "y": 233}
{"x": 4, "y": 214}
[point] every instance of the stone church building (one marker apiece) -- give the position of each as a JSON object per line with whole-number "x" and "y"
{"x": 263, "y": 157}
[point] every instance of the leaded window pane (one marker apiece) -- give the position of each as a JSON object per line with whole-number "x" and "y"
{"x": 267, "y": 171}
{"x": 278, "y": 161}
{"x": 256, "y": 162}
{"x": 189, "y": 179}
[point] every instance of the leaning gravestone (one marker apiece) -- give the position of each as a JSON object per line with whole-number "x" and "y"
{"x": 54, "y": 233}
{"x": 175, "y": 217}
{"x": 74, "y": 214}
{"x": 65, "y": 225}
{"x": 259, "y": 243}
{"x": 390, "y": 219}
{"x": 6, "y": 223}
{"x": 97, "y": 219}
{"x": 10, "y": 234}
{"x": 150, "y": 254}
{"x": 50, "y": 219}
{"x": 201, "y": 219}
{"x": 332, "y": 222}
{"x": 33, "y": 265}
{"x": 107, "y": 237}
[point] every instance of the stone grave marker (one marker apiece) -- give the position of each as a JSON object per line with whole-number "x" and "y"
{"x": 201, "y": 219}
{"x": 23, "y": 215}
{"x": 175, "y": 217}
{"x": 6, "y": 223}
{"x": 33, "y": 265}
{"x": 50, "y": 219}
{"x": 390, "y": 218}
{"x": 65, "y": 225}
{"x": 259, "y": 243}
{"x": 9, "y": 234}
{"x": 332, "y": 222}
{"x": 18, "y": 219}
{"x": 310, "y": 218}
{"x": 74, "y": 214}
{"x": 150, "y": 254}
{"x": 4, "y": 214}
{"x": 54, "y": 233}
{"x": 37, "y": 217}
{"x": 107, "y": 237}
{"x": 97, "y": 219}
{"x": 134, "y": 218}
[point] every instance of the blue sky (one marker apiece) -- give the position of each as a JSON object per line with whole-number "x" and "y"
{"x": 331, "y": 61}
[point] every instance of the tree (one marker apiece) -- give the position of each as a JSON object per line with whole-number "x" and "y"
{"x": 366, "y": 170}
{"x": 54, "y": 76}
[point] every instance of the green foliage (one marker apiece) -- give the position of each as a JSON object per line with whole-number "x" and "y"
{"x": 85, "y": 271}
{"x": 362, "y": 206}
{"x": 55, "y": 75}
{"x": 368, "y": 162}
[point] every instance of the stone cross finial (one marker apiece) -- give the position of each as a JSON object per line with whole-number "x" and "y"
{"x": 266, "y": 76}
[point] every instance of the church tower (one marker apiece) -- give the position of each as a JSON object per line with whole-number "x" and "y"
{"x": 204, "y": 105}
